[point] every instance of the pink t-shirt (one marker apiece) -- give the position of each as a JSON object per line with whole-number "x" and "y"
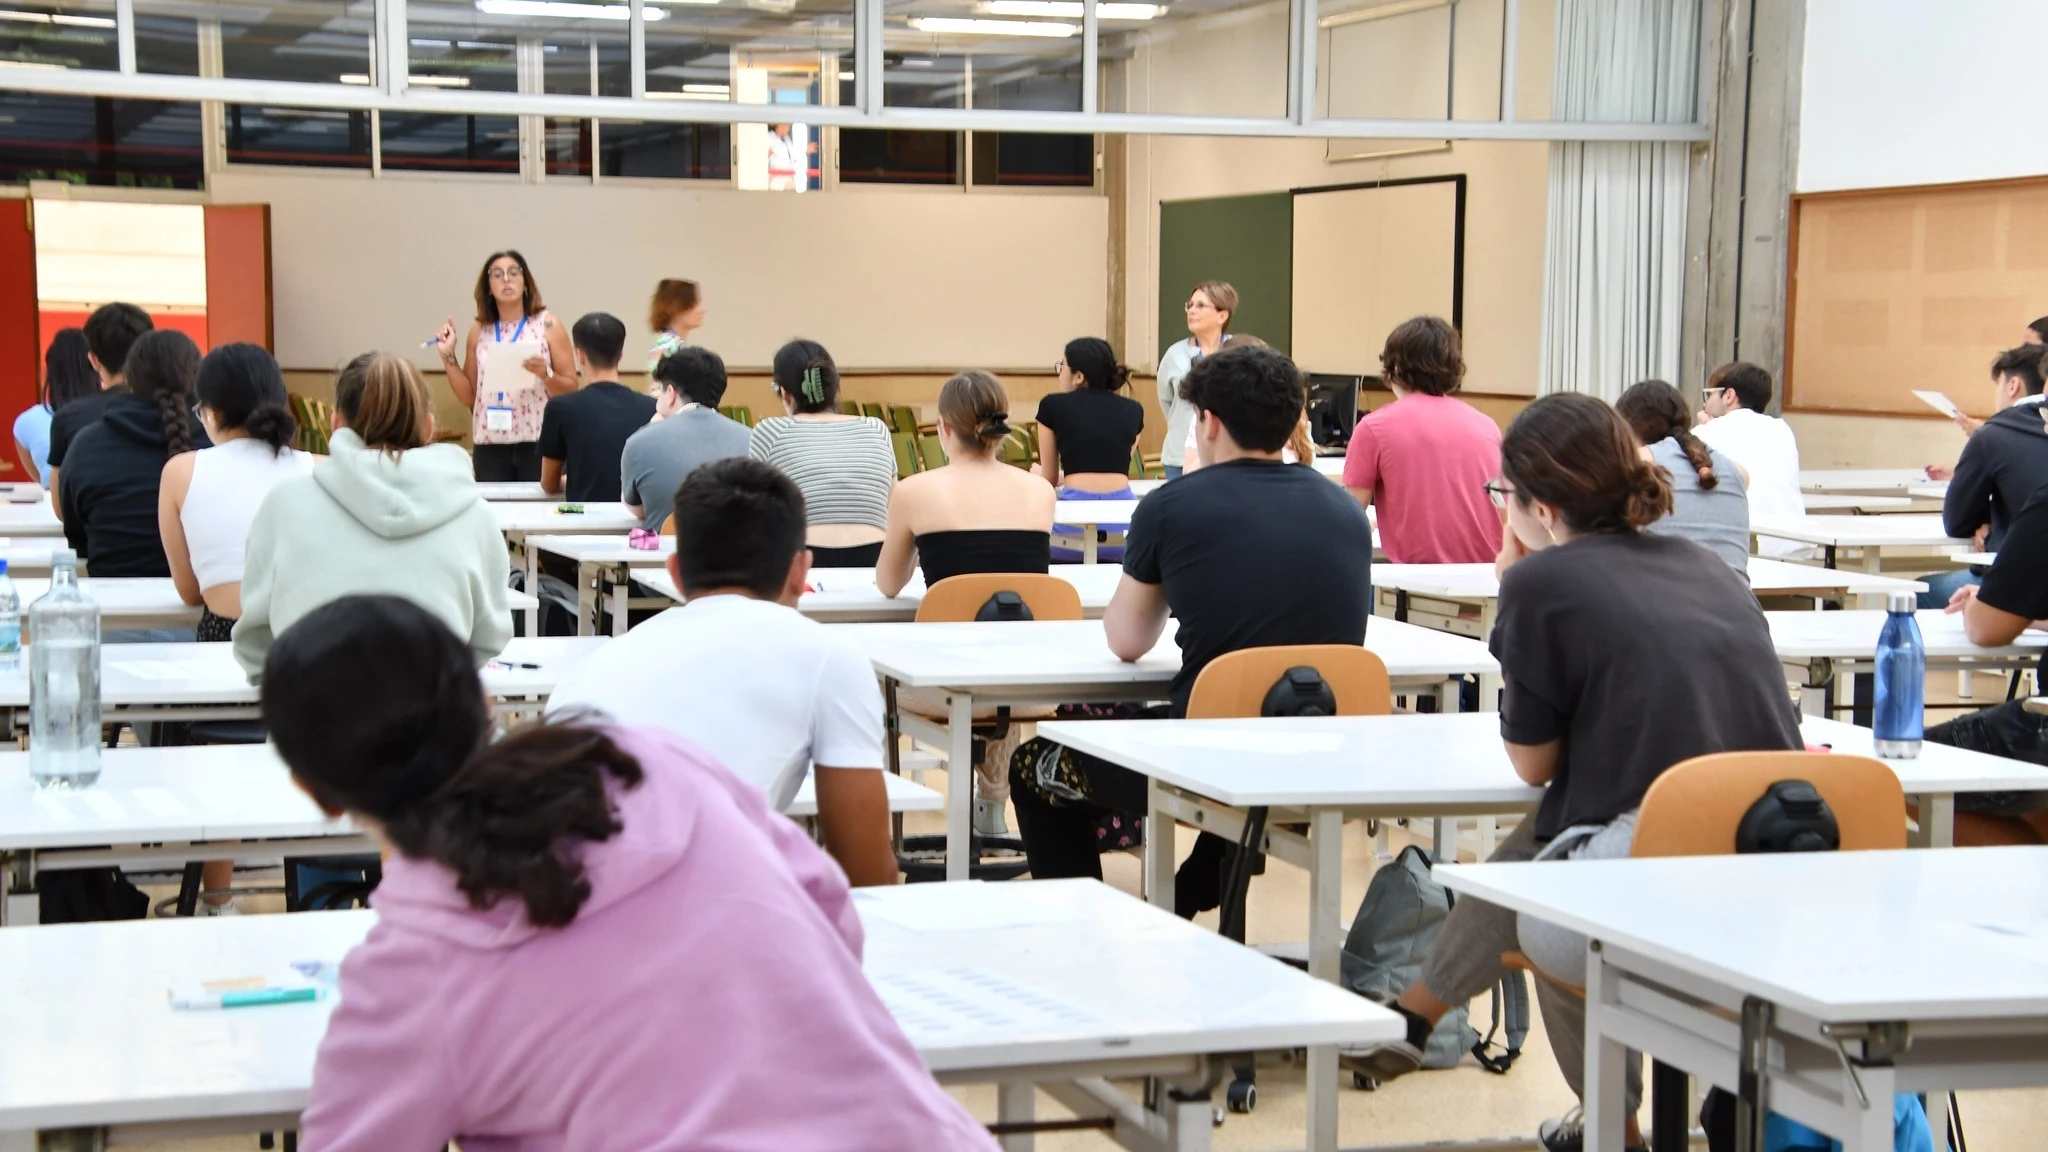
{"x": 1427, "y": 460}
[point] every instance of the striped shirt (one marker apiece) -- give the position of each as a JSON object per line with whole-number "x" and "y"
{"x": 844, "y": 468}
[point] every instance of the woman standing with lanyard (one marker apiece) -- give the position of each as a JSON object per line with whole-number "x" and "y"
{"x": 505, "y": 403}
{"x": 1210, "y": 308}
{"x": 677, "y": 311}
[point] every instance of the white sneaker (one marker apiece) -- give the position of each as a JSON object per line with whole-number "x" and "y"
{"x": 233, "y": 907}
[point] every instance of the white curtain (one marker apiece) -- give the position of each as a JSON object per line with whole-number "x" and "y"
{"x": 1614, "y": 265}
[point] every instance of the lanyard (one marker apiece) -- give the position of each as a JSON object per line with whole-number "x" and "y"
{"x": 498, "y": 328}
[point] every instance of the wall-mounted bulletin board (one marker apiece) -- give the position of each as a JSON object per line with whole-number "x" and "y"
{"x": 1894, "y": 290}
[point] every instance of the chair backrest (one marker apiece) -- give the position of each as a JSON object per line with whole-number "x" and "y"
{"x": 903, "y": 418}
{"x": 1235, "y": 684}
{"x": 668, "y": 526}
{"x": 850, "y": 407}
{"x": 931, "y": 450}
{"x": 1015, "y": 449}
{"x": 959, "y": 598}
{"x": 1137, "y": 469}
{"x": 876, "y": 411}
{"x": 738, "y": 413}
{"x": 906, "y": 453}
{"x": 1695, "y": 807}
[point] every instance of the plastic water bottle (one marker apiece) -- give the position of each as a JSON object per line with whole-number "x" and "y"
{"x": 1901, "y": 681}
{"x": 64, "y": 681}
{"x": 10, "y": 623}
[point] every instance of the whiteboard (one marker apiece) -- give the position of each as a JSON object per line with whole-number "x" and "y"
{"x": 1365, "y": 259}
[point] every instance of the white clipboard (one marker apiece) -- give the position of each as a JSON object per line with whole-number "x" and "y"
{"x": 505, "y": 367}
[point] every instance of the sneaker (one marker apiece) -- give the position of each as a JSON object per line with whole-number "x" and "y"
{"x": 991, "y": 818}
{"x": 1381, "y": 1062}
{"x": 1567, "y": 1133}
{"x": 231, "y": 908}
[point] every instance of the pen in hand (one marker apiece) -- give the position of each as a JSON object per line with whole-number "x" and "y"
{"x": 508, "y": 664}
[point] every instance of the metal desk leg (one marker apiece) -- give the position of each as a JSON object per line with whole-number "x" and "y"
{"x": 621, "y": 597}
{"x": 1606, "y": 1102}
{"x": 959, "y": 784}
{"x": 1016, "y": 1104}
{"x": 20, "y": 906}
{"x": 586, "y": 599}
{"x": 1937, "y": 822}
{"x": 1325, "y": 946}
{"x": 1090, "y": 541}
{"x": 1670, "y": 1108}
{"x": 1159, "y": 849}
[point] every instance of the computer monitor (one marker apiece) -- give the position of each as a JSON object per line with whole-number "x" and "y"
{"x": 1332, "y": 408}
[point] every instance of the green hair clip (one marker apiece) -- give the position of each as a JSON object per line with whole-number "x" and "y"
{"x": 814, "y": 384}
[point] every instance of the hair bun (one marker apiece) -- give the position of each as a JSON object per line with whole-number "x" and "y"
{"x": 995, "y": 427}
{"x": 274, "y": 425}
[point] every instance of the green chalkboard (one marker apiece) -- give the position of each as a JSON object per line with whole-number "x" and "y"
{"x": 1246, "y": 241}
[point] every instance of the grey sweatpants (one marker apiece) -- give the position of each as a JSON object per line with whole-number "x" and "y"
{"x": 1466, "y": 960}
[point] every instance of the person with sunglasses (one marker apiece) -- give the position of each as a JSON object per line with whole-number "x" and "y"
{"x": 1734, "y": 421}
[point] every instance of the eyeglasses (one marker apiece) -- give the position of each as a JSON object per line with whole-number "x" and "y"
{"x": 506, "y": 274}
{"x": 1498, "y": 493}
{"x": 1059, "y": 367}
{"x": 1707, "y": 394}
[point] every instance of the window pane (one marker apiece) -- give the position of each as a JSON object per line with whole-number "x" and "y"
{"x": 475, "y": 54}
{"x": 1198, "y": 61}
{"x": 568, "y": 147}
{"x": 66, "y": 34}
{"x": 166, "y": 40}
{"x": 312, "y": 41}
{"x": 98, "y": 140}
{"x": 414, "y": 141}
{"x": 1034, "y": 160}
{"x": 317, "y": 137}
{"x": 901, "y": 156}
{"x": 672, "y": 151}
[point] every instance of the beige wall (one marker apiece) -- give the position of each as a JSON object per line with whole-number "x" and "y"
{"x": 1209, "y": 68}
{"x": 1827, "y": 440}
{"x": 887, "y": 279}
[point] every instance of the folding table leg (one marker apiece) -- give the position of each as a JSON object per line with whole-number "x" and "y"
{"x": 959, "y": 785}
{"x": 1016, "y": 1103}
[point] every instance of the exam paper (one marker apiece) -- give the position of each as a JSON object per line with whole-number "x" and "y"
{"x": 1938, "y": 402}
{"x": 969, "y": 907}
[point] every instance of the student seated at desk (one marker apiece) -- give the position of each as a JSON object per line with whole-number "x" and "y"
{"x": 738, "y": 671}
{"x": 2003, "y": 462}
{"x": 584, "y": 432}
{"x": 1622, "y": 653}
{"x": 688, "y": 384}
{"x": 110, "y": 334}
{"x": 972, "y": 514}
{"x": 2013, "y": 598}
{"x": 67, "y": 375}
{"x": 1086, "y": 432}
{"x": 1709, "y": 500}
{"x": 1425, "y": 458}
{"x": 1734, "y": 420}
{"x": 1246, "y": 552}
{"x": 587, "y": 936}
{"x": 844, "y": 465}
{"x": 388, "y": 511}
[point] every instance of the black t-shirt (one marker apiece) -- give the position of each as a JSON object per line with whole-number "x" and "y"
{"x": 67, "y": 422}
{"x": 1093, "y": 430}
{"x": 587, "y": 430}
{"x": 1637, "y": 651}
{"x": 2018, "y": 582}
{"x": 1253, "y": 554}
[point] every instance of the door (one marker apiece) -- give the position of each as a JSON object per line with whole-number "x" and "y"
{"x": 21, "y": 344}
{"x": 238, "y": 275}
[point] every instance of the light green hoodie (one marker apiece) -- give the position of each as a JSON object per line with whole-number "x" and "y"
{"x": 370, "y": 522}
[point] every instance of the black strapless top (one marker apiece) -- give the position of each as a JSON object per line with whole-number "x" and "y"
{"x": 962, "y": 553}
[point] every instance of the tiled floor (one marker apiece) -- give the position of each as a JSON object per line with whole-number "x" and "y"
{"x": 1461, "y": 1104}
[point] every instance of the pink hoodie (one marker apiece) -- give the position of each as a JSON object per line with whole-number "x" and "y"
{"x": 708, "y": 996}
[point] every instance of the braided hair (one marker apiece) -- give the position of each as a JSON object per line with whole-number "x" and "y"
{"x": 161, "y": 368}
{"x": 1656, "y": 411}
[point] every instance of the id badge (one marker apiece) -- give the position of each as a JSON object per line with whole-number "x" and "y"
{"x": 498, "y": 418}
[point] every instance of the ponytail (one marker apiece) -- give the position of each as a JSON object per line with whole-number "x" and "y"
{"x": 1655, "y": 412}
{"x": 245, "y": 389}
{"x": 1698, "y": 456}
{"x": 1649, "y": 498}
{"x": 975, "y": 406}
{"x": 172, "y": 412}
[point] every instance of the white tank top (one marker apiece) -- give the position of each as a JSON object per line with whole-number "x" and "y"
{"x": 229, "y": 482}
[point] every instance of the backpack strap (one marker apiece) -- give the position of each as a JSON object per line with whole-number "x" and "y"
{"x": 1510, "y": 1003}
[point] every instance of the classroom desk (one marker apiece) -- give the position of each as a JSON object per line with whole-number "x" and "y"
{"x": 1816, "y": 980}
{"x": 849, "y": 595}
{"x": 31, "y": 555}
{"x": 1063, "y": 984}
{"x": 519, "y": 520}
{"x": 1871, "y": 535}
{"x": 143, "y": 682}
{"x": 1060, "y": 662}
{"x": 502, "y": 491}
{"x": 605, "y": 564}
{"x": 1847, "y": 502}
{"x": 31, "y": 518}
{"x": 1321, "y": 771}
{"x": 153, "y": 601}
{"x": 1830, "y": 643}
{"x": 1870, "y": 481}
{"x": 1975, "y": 559}
{"x": 1932, "y": 490}
{"x": 1085, "y": 519}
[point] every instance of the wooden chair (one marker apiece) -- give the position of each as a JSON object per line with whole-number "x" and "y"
{"x": 1137, "y": 469}
{"x": 1015, "y": 450}
{"x": 850, "y": 407}
{"x": 959, "y": 598}
{"x": 906, "y": 453}
{"x": 738, "y": 413}
{"x": 1695, "y": 807}
{"x": 668, "y": 526}
{"x": 903, "y": 418}
{"x": 1235, "y": 684}
{"x": 930, "y": 450}
{"x": 876, "y": 411}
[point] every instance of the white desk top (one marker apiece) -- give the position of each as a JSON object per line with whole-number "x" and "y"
{"x": 1853, "y": 635}
{"x": 603, "y": 548}
{"x": 145, "y": 795}
{"x": 849, "y": 595}
{"x": 905, "y": 795}
{"x": 28, "y": 554}
{"x": 534, "y": 517}
{"x": 1093, "y": 512}
{"x": 1331, "y": 466}
{"x": 156, "y": 597}
{"x": 1427, "y": 763}
{"x": 1841, "y": 936}
{"x": 1847, "y": 502}
{"x": 1877, "y": 480}
{"x": 1477, "y": 581}
{"x": 509, "y": 490}
{"x": 30, "y": 518}
{"x": 1932, "y": 490}
{"x": 1921, "y": 530}
{"x": 145, "y": 675}
{"x": 980, "y": 977}
{"x": 1974, "y": 558}
{"x": 1056, "y": 653}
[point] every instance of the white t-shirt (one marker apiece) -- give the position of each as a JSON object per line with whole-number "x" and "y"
{"x": 765, "y": 690}
{"x": 1765, "y": 447}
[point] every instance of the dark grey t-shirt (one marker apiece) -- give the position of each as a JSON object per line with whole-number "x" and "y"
{"x": 658, "y": 457}
{"x": 1637, "y": 651}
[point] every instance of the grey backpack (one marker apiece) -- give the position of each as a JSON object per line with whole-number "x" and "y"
{"x": 1403, "y": 910}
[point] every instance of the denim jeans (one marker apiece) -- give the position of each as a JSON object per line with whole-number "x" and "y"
{"x": 1172, "y": 471}
{"x": 1941, "y": 587}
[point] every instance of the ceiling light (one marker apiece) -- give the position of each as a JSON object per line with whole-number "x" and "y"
{"x": 954, "y": 25}
{"x": 37, "y": 64}
{"x": 708, "y": 89}
{"x": 653, "y": 95}
{"x": 437, "y": 81}
{"x": 565, "y": 10}
{"x": 360, "y": 78}
{"x": 58, "y": 18}
{"x": 1071, "y": 9}
{"x": 847, "y": 76}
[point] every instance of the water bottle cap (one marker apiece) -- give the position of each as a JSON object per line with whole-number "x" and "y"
{"x": 1900, "y": 602}
{"x": 63, "y": 558}
{"x": 3, "y": 566}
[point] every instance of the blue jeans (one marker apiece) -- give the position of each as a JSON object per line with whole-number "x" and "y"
{"x": 1172, "y": 471}
{"x": 1941, "y": 587}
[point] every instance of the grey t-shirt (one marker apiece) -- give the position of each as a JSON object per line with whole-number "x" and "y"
{"x": 1716, "y": 518}
{"x": 659, "y": 456}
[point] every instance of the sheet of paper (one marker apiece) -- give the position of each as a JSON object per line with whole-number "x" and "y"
{"x": 1245, "y": 740}
{"x": 968, "y": 907}
{"x": 157, "y": 670}
{"x": 1938, "y": 402}
{"x": 969, "y": 1004}
{"x": 505, "y": 368}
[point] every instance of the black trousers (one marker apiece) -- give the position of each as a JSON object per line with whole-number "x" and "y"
{"x": 506, "y": 463}
{"x": 2008, "y": 730}
{"x": 1061, "y": 842}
